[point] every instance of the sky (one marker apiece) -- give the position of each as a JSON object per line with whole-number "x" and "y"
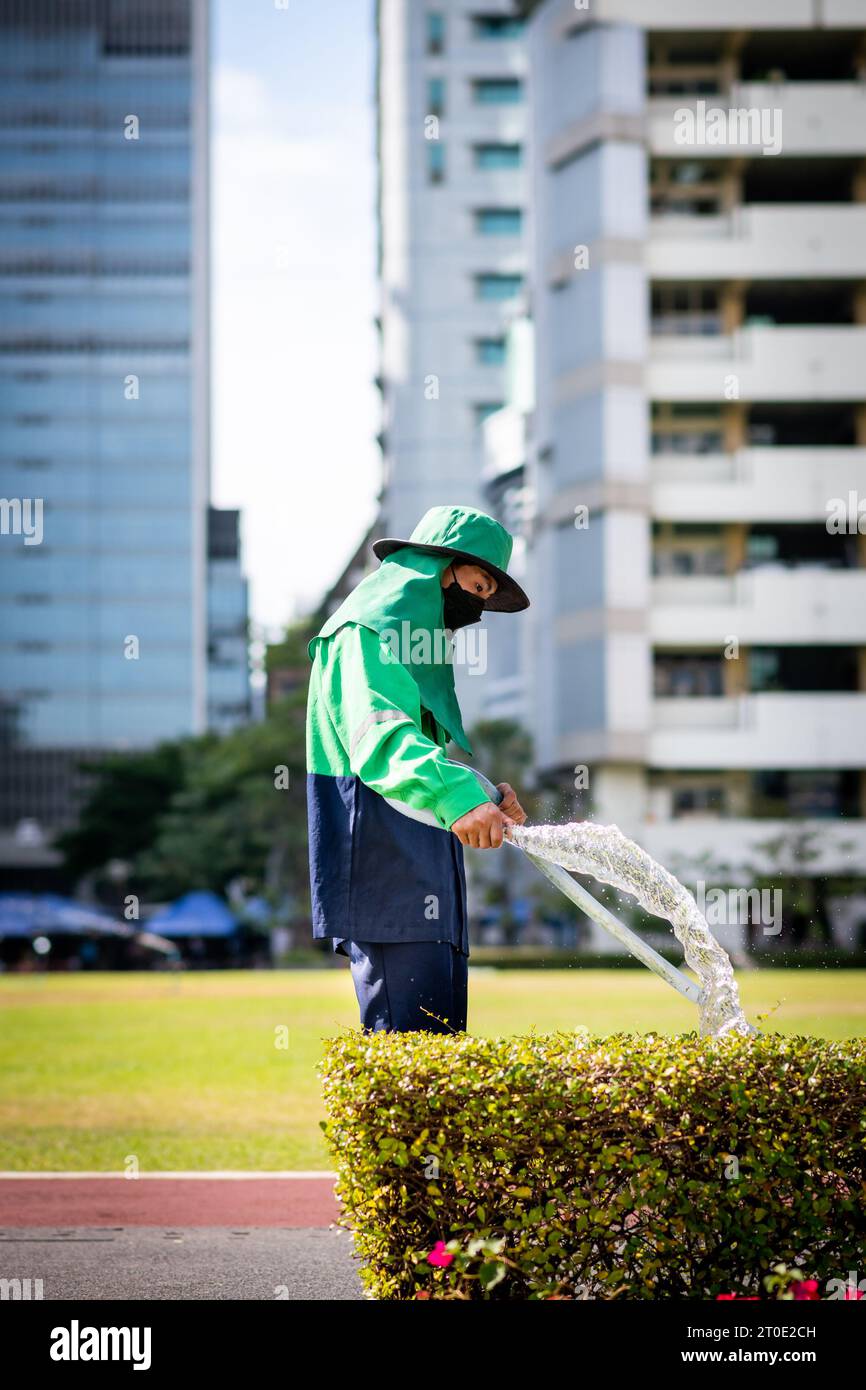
{"x": 294, "y": 409}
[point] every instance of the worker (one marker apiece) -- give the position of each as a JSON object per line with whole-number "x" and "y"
{"x": 389, "y": 813}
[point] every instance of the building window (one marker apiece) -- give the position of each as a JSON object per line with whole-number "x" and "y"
{"x": 686, "y": 187}
{"x": 692, "y": 309}
{"x": 682, "y": 676}
{"x": 697, "y": 801}
{"x": 485, "y": 409}
{"x": 686, "y": 429}
{"x": 697, "y": 442}
{"x": 436, "y": 96}
{"x": 805, "y": 669}
{"x": 490, "y": 351}
{"x": 688, "y": 548}
{"x": 499, "y": 221}
{"x": 498, "y": 156}
{"x": 495, "y": 286}
{"x": 779, "y": 794}
{"x": 435, "y": 32}
{"x": 435, "y": 161}
{"x": 496, "y": 26}
{"x": 497, "y": 91}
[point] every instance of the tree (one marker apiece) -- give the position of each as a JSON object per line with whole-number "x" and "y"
{"x": 241, "y": 812}
{"x": 130, "y": 792}
{"x": 787, "y": 862}
{"x": 503, "y": 752}
{"x": 200, "y": 812}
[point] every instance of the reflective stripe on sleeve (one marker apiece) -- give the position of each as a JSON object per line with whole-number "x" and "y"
{"x": 376, "y": 716}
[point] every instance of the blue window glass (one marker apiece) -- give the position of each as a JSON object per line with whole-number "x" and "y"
{"x": 435, "y": 161}
{"x": 97, "y": 418}
{"x": 483, "y": 410}
{"x": 497, "y": 91}
{"x": 435, "y": 32}
{"x": 436, "y": 96}
{"x": 499, "y": 221}
{"x": 495, "y": 26}
{"x": 496, "y": 286}
{"x": 498, "y": 156}
{"x": 490, "y": 351}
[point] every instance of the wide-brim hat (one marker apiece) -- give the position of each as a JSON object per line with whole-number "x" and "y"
{"x": 470, "y": 536}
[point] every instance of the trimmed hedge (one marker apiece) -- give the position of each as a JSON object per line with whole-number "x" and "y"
{"x": 569, "y": 1166}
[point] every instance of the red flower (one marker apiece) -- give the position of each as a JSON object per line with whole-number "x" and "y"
{"x": 743, "y": 1298}
{"x": 439, "y": 1256}
{"x": 853, "y": 1293}
{"x": 806, "y": 1289}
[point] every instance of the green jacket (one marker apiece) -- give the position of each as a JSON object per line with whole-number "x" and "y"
{"x": 381, "y": 793}
{"x": 365, "y": 720}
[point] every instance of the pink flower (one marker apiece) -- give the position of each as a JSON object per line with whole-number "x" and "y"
{"x": 742, "y": 1298}
{"x": 439, "y": 1256}
{"x": 806, "y": 1289}
{"x": 853, "y": 1293}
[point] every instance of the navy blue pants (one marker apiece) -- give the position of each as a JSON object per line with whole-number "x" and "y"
{"x": 412, "y": 986}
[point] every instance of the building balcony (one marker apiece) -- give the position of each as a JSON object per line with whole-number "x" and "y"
{"x": 479, "y": 124}
{"x": 705, "y": 843}
{"x": 771, "y": 605}
{"x": 773, "y": 484}
{"x": 505, "y": 442}
{"x": 783, "y": 730}
{"x": 817, "y": 118}
{"x": 762, "y": 363}
{"x": 691, "y": 17}
{"x": 774, "y": 241}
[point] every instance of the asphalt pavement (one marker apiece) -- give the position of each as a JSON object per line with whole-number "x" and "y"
{"x": 187, "y": 1236}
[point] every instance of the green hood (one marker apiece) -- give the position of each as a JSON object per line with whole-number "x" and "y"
{"x": 404, "y": 598}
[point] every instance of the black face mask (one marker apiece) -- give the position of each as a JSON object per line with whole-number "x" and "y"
{"x": 460, "y": 607}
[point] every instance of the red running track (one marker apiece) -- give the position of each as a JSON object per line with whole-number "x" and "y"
{"x": 146, "y": 1201}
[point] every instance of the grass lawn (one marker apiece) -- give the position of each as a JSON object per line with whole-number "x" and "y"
{"x": 183, "y": 1071}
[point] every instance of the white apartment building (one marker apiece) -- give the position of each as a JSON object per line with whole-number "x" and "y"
{"x": 451, "y": 90}
{"x": 698, "y": 621}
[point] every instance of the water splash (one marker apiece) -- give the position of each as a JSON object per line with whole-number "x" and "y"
{"x": 605, "y": 853}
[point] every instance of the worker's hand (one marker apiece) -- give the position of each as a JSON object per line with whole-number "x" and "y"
{"x": 509, "y": 805}
{"x": 482, "y": 827}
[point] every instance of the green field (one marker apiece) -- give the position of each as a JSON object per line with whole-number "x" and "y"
{"x": 183, "y": 1071}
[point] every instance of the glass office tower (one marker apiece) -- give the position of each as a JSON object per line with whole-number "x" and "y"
{"x": 103, "y": 386}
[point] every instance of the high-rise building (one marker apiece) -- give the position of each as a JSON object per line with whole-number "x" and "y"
{"x": 451, "y": 89}
{"x": 229, "y": 701}
{"x": 104, "y": 309}
{"x": 699, "y": 438}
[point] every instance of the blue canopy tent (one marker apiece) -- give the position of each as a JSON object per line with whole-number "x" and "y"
{"x": 75, "y": 930}
{"x": 195, "y": 914}
{"x": 49, "y": 914}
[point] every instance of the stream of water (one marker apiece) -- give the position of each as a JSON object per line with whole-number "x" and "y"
{"x": 605, "y": 853}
